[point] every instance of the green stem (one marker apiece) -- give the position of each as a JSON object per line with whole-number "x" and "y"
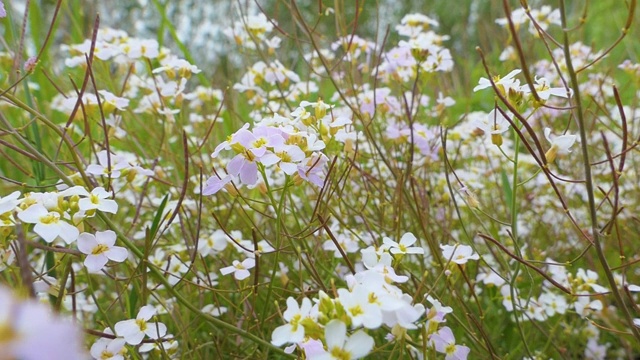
{"x": 589, "y": 181}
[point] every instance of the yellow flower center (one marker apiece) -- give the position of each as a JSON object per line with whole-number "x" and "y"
{"x": 101, "y": 248}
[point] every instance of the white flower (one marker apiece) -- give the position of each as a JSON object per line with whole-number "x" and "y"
{"x": 559, "y": 144}
{"x": 404, "y": 247}
{"x": 134, "y": 330}
{"x": 341, "y": 346}
{"x": 292, "y": 332}
{"x": 100, "y": 249}
{"x": 458, "y": 254}
{"x": 361, "y": 304}
{"x": 506, "y": 82}
{"x": 9, "y": 202}
{"x": 49, "y": 225}
{"x": 493, "y": 125}
{"x": 240, "y": 269}
{"x": 108, "y": 165}
{"x": 108, "y": 349}
{"x": 98, "y": 200}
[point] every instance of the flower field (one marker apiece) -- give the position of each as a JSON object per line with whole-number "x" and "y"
{"x": 458, "y": 184}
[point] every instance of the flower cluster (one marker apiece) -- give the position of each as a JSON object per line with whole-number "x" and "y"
{"x": 319, "y": 326}
{"x": 293, "y": 145}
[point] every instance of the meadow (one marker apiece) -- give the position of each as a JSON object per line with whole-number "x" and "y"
{"x": 341, "y": 180}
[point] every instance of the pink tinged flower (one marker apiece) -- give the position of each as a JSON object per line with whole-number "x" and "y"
{"x": 134, "y": 330}
{"x": 239, "y": 269}
{"x": 100, "y": 249}
{"x": 437, "y": 311}
{"x": 30, "y": 64}
{"x": 312, "y": 348}
{"x": 215, "y": 184}
{"x": 243, "y": 165}
{"x": 3, "y": 12}
{"x": 458, "y": 254}
{"x": 444, "y": 342}
{"x": 293, "y": 331}
{"x": 108, "y": 349}
{"x": 341, "y": 346}
{"x": 98, "y": 200}
{"x": 48, "y": 224}
{"x": 404, "y": 246}
{"x": 312, "y": 169}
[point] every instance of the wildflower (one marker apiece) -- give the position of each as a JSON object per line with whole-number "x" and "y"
{"x": 544, "y": 91}
{"x": 213, "y": 243}
{"x": 458, "y": 254}
{"x": 134, "y": 330}
{"x": 48, "y": 224}
{"x": 362, "y": 306}
{"x": 100, "y": 249}
{"x": 30, "y": 64}
{"x": 494, "y": 125}
{"x": 293, "y": 331}
{"x": 341, "y": 346}
{"x": 444, "y": 342}
{"x": 239, "y": 269}
{"x": 108, "y": 349}
{"x": 503, "y": 84}
{"x": 3, "y": 12}
{"x": 404, "y": 247}
{"x": 559, "y": 144}
{"x": 98, "y": 200}
{"x": 108, "y": 165}
{"x": 588, "y": 279}
{"x": 9, "y": 202}
{"x": 215, "y": 184}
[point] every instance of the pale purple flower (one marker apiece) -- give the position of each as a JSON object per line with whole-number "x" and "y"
{"x": 215, "y": 184}
{"x": 444, "y": 343}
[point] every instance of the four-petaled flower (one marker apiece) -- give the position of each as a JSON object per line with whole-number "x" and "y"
{"x": 49, "y": 224}
{"x": 404, "y": 246}
{"x": 239, "y": 269}
{"x": 100, "y": 249}
{"x": 458, "y": 254}
{"x": 134, "y": 330}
